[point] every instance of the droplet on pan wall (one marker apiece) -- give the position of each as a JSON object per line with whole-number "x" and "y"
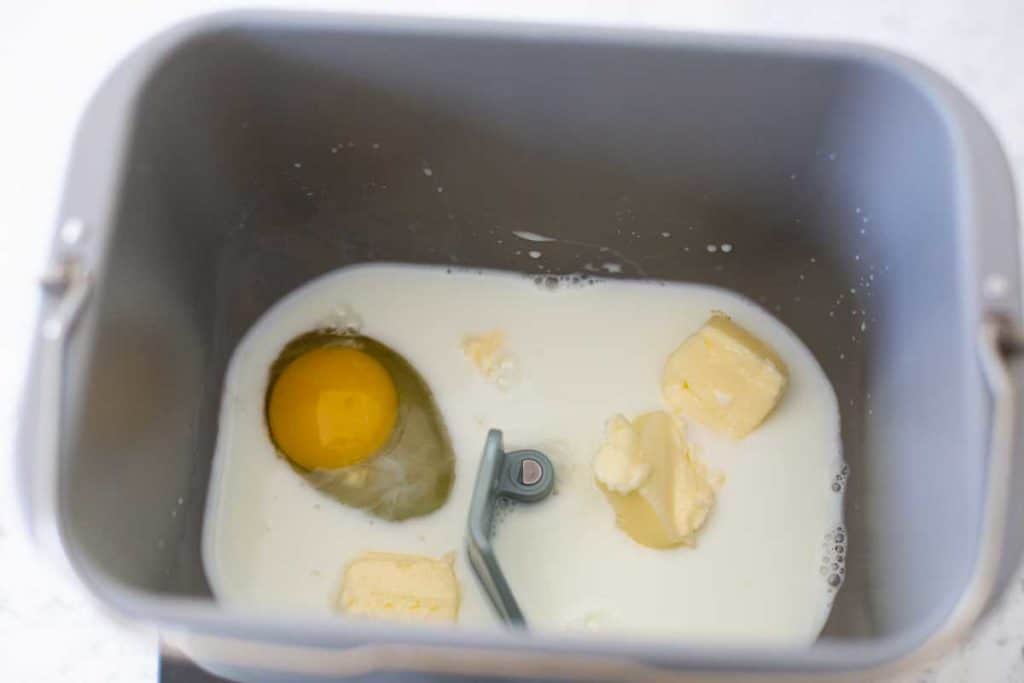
{"x": 995, "y": 286}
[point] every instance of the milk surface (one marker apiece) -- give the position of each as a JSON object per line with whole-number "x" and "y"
{"x": 584, "y": 350}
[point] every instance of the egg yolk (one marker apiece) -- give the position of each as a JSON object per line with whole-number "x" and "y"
{"x": 332, "y": 407}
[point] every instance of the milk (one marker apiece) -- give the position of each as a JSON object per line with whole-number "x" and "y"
{"x": 584, "y": 350}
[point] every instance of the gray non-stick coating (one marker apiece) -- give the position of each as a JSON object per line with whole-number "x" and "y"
{"x": 865, "y": 202}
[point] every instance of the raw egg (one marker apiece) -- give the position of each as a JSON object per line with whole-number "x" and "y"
{"x": 332, "y": 407}
{"x": 360, "y": 424}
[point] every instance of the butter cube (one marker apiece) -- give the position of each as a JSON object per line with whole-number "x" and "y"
{"x": 724, "y": 378}
{"x": 408, "y": 588}
{"x": 621, "y": 465}
{"x": 660, "y": 493}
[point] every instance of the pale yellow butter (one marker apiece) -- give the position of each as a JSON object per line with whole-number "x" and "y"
{"x": 661, "y": 494}
{"x": 621, "y": 464}
{"x": 724, "y": 377}
{"x": 408, "y": 588}
{"x": 489, "y": 356}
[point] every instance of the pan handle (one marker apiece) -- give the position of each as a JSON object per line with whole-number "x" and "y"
{"x": 67, "y": 285}
{"x": 999, "y": 343}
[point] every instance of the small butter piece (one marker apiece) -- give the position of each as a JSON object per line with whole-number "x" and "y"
{"x": 401, "y": 587}
{"x": 724, "y": 378}
{"x": 488, "y": 355}
{"x": 620, "y": 465}
{"x": 671, "y": 503}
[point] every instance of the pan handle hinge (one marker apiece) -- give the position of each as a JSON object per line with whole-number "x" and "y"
{"x": 1007, "y": 335}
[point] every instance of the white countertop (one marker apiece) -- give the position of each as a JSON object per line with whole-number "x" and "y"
{"x": 53, "y": 55}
